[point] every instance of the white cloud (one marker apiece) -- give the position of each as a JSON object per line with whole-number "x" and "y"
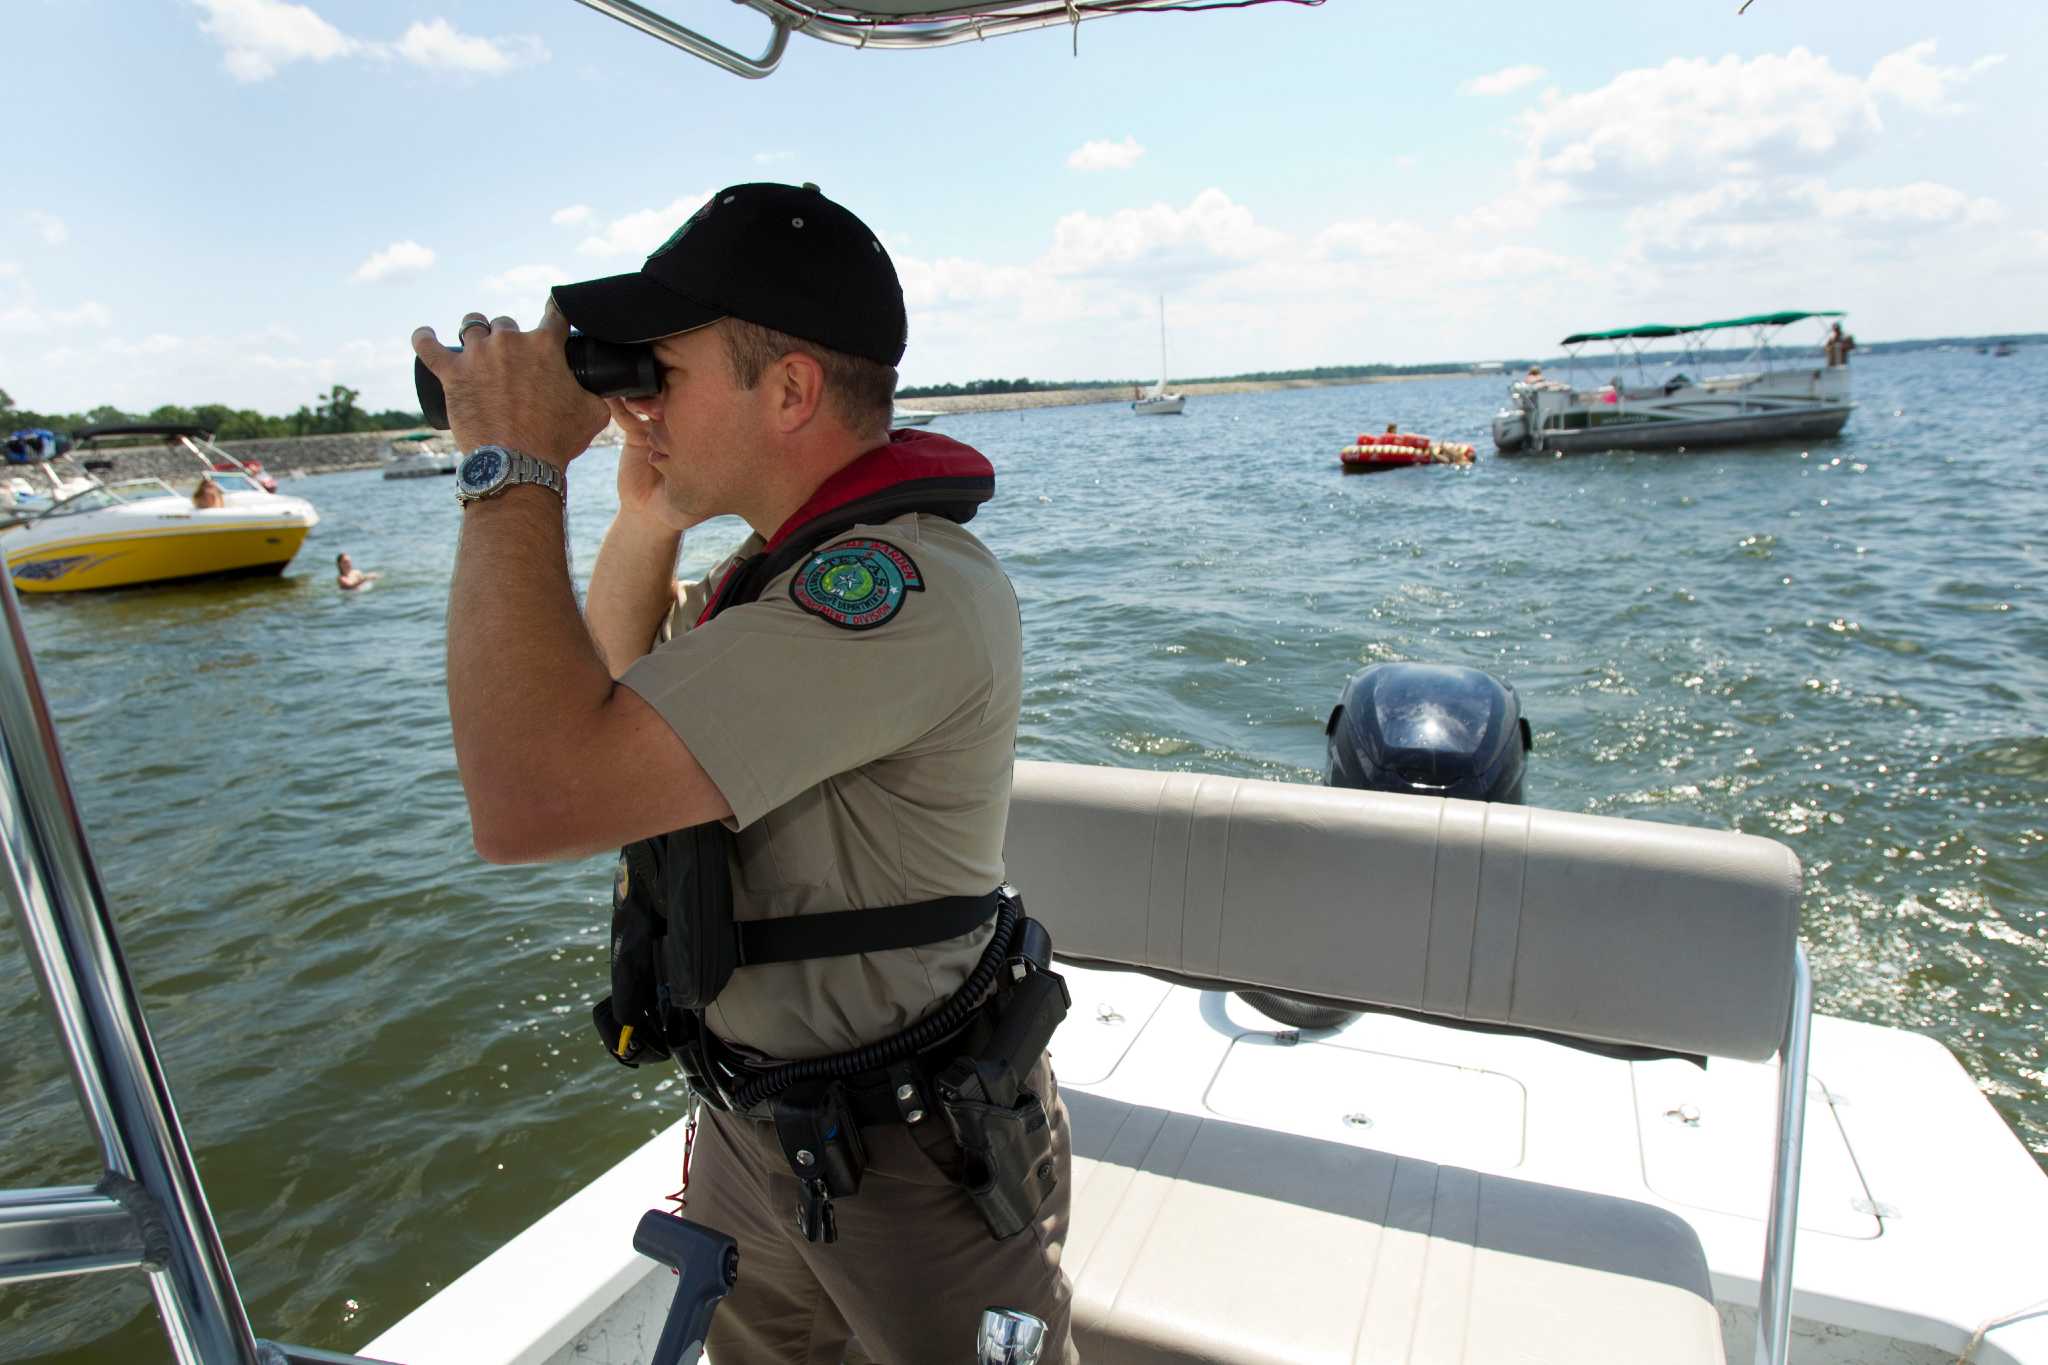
{"x": 1921, "y": 202}
{"x": 259, "y": 36}
{"x": 438, "y": 45}
{"x": 261, "y": 369}
{"x": 1908, "y": 77}
{"x": 1789, "y": 216}
{"x": 637, "y": 234}
{"x": 1158, "y": 238}
{"x": 1684, "y": 122}
{"x": 1691, "y": 123}
{"x": 1104, "y": 155}
{"x": 49, "y": 227}
{"x": 571, "y": 216}
{"x": 522, "y": 291}
{"x": 1505, "y": 81}
{"x": 400, "y": 258}
{"x": 26, "y": 316}
{"x": 524, "y": 279}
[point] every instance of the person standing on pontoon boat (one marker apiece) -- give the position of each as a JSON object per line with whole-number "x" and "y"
{"x": 826, "y": 723}
{"x": 1838, "y": 345}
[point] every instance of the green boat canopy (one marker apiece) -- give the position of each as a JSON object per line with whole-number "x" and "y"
{"x": 1649, "y": 329}
{"x": 1765, "y": 320}
{"x": 1658, "y": 329}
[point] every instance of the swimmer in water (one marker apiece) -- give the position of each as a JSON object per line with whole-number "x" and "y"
{"x": 347, "y": 576}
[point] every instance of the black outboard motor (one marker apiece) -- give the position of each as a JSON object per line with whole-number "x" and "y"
{"x": 1431, "y": 730}
{"x": 1425, "y": 729}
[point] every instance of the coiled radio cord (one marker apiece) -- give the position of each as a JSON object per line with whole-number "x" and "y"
{"x": 896, "y": 1047}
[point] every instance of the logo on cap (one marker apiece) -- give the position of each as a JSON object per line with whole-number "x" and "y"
{"x": 684, "y": 230}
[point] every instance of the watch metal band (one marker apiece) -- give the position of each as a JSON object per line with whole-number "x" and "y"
{"x": 519, "y": 468}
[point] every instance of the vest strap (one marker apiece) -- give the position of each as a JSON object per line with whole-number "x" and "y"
{"x": 841, "y": 932}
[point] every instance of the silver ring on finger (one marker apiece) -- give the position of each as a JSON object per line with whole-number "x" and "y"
{"x": 470, "y": 322}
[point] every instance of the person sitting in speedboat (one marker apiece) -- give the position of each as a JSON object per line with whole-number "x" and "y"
{"x": 208, "y": 493}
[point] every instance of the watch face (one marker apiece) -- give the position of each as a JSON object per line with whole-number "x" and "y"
{"x": 482, "y": 470}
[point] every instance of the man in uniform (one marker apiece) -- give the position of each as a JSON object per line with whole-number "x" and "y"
{"x": 852, "y": 719}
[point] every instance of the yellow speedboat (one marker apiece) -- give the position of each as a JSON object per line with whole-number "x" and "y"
{"x": 143, "y": 530}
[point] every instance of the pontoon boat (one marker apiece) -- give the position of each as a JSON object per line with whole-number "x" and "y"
{"x": 1761, "y": 404}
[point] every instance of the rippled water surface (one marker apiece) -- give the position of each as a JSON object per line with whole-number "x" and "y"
{"x": 380, "y": 1046}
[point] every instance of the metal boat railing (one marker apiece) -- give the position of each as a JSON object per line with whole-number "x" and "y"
{"x": 879, "y": 25}
{"x": 1774, "y": 1287}
{"x": 147, "y": 1210}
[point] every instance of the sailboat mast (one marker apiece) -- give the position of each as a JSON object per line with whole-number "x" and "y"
{"x": 1162, "y": 341}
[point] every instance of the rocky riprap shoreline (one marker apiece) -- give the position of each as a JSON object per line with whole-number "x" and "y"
{"x": 1067, "y": 398}
{"x": 279, "y": 455}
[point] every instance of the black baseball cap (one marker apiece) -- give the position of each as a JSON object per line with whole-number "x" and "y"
{"x": 780, "y": 256}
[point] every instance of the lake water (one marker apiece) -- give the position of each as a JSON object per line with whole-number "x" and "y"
{"x": 380, "y": 1046}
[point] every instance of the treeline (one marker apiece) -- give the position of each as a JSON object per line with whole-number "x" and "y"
{"x": 335, "y": 412}
{"x": 981, "y": 386}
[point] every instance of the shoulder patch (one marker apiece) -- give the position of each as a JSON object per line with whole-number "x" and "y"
{"x": 856, "y": 584}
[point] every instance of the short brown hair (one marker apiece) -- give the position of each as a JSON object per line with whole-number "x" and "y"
{"x": 862, "y": 392}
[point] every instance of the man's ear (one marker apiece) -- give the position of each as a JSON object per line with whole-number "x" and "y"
{"x": 799, "y": 391}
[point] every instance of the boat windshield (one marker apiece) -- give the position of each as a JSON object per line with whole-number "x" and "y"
{"x": 235, "y": 483}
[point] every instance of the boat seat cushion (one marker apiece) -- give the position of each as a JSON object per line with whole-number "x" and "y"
{"x": 1199, "y": 1240}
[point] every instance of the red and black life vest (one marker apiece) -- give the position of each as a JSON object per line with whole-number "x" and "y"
{"x": 675, "y": 942}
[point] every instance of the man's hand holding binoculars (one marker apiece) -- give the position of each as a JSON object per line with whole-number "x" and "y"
{"x": 641, "y": 496}
{"x": 513, "y": 388}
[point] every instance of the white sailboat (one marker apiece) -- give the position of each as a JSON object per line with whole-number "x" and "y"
{"x": 1160, "y": 403}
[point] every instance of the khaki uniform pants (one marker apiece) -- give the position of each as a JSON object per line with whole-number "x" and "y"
{"x": 912, "y": 1269}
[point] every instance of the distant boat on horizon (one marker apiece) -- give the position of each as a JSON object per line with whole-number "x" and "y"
{"x": 1158, "y": 402}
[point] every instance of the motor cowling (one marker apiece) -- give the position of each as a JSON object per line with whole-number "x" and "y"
{"x": 1429, "y": 730}
{"x": 1423, "y": 729}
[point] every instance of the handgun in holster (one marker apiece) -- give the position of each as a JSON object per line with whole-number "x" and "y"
{"x": 1002, "y": 1128}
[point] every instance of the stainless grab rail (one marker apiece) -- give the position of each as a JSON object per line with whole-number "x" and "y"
{"x": 148, "y": 1210}
{"x": 1774, "y": 1286}
{"x": 942, "y": 25}
{"x": 696, "y": 44}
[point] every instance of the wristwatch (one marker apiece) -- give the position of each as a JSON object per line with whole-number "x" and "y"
{"x": 491, "y": 469}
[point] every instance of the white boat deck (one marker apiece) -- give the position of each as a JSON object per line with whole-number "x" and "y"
{"x": 1919, "y": 1212}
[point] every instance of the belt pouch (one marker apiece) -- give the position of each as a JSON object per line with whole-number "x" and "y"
{"x": 815, "y": 1127}
{"x": 1006, "y": 1158}
{"x": 637, "y": 999}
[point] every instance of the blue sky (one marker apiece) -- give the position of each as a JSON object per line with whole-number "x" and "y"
{"x": 246, "y": 200}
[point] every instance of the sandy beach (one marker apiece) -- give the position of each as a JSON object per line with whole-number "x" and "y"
{"x": 1065, "y": 398}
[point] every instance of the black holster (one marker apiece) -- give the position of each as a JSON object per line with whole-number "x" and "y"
{"x": 1007, "y": 1164}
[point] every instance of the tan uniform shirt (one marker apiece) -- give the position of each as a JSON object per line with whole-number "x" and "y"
{"x": 864, "y": 767}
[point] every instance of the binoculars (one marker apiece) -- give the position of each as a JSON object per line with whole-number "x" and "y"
{"x": 609, "y": 369}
